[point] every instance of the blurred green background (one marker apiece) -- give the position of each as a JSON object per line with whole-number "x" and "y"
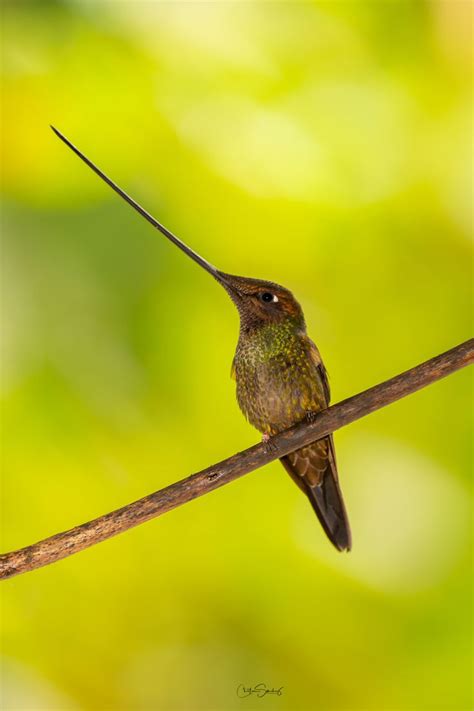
{"x": 321, "y": 145}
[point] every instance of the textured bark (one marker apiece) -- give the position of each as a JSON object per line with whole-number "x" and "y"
{"x": 343, "y": 413}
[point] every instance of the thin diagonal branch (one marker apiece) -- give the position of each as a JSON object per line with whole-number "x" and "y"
{"x": 88, "y": 534}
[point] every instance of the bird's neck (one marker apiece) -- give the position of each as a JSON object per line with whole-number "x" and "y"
{"x": 271, "y": 339}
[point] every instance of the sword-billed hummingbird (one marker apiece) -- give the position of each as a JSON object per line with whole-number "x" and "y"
{"x": 281, "y": 379}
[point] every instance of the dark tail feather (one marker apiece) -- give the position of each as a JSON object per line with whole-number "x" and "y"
{"x": 317, "y": 463}
{"x": 328, "y": 504}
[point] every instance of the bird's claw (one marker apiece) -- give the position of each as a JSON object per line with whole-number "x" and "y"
{"x": 311, "y": 415}
{"x": 270, "y": 446}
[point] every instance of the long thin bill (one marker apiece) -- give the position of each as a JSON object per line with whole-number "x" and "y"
{"x": 187, "y": 250}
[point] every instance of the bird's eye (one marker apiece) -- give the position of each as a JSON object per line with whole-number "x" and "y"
{"x": 267, "y": 297}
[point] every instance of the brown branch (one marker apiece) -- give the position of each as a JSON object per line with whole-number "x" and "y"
{"x": 88, "y": 534}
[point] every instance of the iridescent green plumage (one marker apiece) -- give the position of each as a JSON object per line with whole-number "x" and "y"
{"x": 278, "y": 382}
{"x": 281, "y": 380}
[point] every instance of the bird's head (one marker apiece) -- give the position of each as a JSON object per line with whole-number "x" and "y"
{"x": 261, "y": 302}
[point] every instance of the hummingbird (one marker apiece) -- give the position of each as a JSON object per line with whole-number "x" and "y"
{"x": 280, "y": 376}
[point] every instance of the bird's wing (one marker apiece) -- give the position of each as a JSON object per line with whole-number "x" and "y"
{"x": 314, "y": 470}
{"x": 322, "y": 373}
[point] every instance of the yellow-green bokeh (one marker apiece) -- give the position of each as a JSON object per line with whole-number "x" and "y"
{"x": 321, "y": 145}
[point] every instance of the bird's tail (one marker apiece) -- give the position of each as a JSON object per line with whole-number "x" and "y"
{"x": 314, "y": 470}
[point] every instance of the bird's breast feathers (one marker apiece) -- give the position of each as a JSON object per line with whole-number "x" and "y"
{"x": 279, "y": 380}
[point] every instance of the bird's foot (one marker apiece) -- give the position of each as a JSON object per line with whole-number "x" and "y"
{"x": 311, "y": 415}
{"x": 270, "y": 446}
